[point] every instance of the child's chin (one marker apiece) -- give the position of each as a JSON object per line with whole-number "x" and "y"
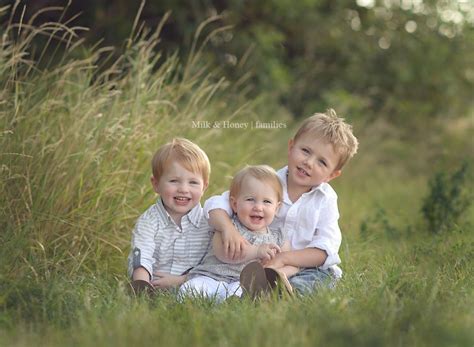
{"x": 255, "y": 227}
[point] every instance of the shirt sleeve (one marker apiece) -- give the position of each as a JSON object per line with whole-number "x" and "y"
{"x": 218, "y": 202}
{"x": 328, "y": 235}
{"x": 143, "y": 245}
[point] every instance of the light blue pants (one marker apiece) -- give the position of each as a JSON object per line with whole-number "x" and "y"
{"x": 310, "y": 279}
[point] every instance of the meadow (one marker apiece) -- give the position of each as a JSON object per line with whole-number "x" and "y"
{"x": 77, "y": 131}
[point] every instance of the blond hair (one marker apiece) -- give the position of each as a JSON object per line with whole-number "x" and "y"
{"x": 334, "y": 130}
{"x": 186, "y": 153}
{"x": 263, "y": 173}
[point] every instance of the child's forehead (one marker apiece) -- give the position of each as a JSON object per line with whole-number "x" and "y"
{"x": 253, "y": 184}
{"x": 310, "y": 137}
{"x": 176, "y": 165}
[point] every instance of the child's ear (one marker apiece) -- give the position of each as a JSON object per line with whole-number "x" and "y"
{"x": 335, "y": 173}
{"x": 278, "y": 206}
{"x": 233, "y": 204}
{"x": 291, "y": 143}
{"x": 154, "y": 183}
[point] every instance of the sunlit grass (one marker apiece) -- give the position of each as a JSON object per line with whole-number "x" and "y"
{"x": 76, "y": 139}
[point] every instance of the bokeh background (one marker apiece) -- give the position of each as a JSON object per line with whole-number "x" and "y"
{"x": 90, "y": 89}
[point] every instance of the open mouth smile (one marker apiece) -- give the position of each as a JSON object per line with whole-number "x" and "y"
{"x": 181, "y": 200}
{"x": 256, "y": 219}
{"x": 302, "y": 171}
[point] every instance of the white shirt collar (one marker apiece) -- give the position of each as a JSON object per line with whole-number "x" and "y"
{"x": 283, "y": 175}
{"x": 193, "y": 216}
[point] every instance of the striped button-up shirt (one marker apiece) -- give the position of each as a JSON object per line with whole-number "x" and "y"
{"x": 158, "y": 244}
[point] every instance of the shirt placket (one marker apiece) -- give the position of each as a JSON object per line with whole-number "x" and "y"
{"x": 178, "y": 246}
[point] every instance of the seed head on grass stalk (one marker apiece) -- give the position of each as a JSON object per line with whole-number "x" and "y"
{"x": 78, "y": 127}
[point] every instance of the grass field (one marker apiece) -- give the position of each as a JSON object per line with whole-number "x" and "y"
{"x": 76, "y": 141}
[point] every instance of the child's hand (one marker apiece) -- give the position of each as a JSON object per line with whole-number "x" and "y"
{"x": 164, "y": 280}
{"x": 267, "y": 251}
{"x": 276, "y": 262}
{"x": 234, "y": 243}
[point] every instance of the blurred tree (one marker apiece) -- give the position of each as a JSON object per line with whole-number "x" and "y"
{"x": 403, "y": 60}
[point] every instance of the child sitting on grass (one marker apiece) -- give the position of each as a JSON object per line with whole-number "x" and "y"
{"x": 309, "y": 213}
{"x": 172, "y": 236}
{"x": 255, "y": 196}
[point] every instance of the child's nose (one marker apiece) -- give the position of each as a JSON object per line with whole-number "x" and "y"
{"x": 308, "y": 162}
{"x": 182, "y": 187}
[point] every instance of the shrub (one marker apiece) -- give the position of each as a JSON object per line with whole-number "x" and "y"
{"x": 447, "y": 201}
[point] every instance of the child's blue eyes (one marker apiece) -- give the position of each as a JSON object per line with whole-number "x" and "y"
{"x": 264, "y": 201}
{"x": 177, "y": 181}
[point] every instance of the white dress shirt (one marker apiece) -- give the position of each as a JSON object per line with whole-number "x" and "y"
{"x": 311, "y": 221}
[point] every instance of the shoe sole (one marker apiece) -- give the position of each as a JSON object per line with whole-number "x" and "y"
{"x": 141, "y": 286}
{"x": 277, "y": 279}
{"x": 254, "y": 281}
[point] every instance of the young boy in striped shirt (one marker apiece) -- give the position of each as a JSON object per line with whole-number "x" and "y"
{"x": 172, "y": 236}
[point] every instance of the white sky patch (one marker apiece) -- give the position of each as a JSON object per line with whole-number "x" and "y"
{"x": 366, "y": 3}
{"x": 384, "y": 42}
{"x": 411, "y": 26}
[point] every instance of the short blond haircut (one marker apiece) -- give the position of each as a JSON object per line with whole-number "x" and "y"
{"x": 186, "y": 153}
{"x": 334, "y": 130}
{"x": 263, "y": 173}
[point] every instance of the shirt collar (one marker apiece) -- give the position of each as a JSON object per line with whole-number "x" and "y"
{"x": 283, "y": 175}
{"x": 193, "y": 216}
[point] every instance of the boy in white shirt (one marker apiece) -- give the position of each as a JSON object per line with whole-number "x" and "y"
{"x": 309, "y": 214}
{"x": 172, "y": 236}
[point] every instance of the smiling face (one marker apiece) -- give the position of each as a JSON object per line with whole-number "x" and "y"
{"x": 310, "y": 162}
{"x": 180, "y": 189}
{"x": 256, "y": 204}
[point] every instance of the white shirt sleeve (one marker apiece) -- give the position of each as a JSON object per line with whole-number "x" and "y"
{"x": 328, "y": 235}
{"x": 218, "y": 202}
{"x": 143, "y": 245}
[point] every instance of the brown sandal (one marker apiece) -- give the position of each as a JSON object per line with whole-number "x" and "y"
{"x": 253, "y": 280}
{"x": 278, "y": 279}
{"x": 140, "y": 286}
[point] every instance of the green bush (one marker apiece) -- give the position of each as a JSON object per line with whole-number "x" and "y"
{"x": 448, "y": 199}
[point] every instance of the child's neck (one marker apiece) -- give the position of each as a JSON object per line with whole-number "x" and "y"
{"x": 264, "y": 230}
{"x": 295, "y": 192}
{"x": 261, "y": 231}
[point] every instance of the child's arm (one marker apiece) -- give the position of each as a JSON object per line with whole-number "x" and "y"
{"x": 218, "y": 210}
{"x": 233, "y": 244}
{"x": 263, "y": 252}
{"x": 308, "y": 257}
{"x": 322, "y": 250}
{"x": 143, "y": 247}
{"x": 140, "y": 273}
{"x": 288, "y": 270}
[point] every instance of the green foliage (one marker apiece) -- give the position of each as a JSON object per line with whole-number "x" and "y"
{"x": 75, "y": 146}
{"x": 75, "y": 143}
{"x": 387, "y": 60}
{"x": 378, "y": 225}
{"x": 447, "y": 201}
